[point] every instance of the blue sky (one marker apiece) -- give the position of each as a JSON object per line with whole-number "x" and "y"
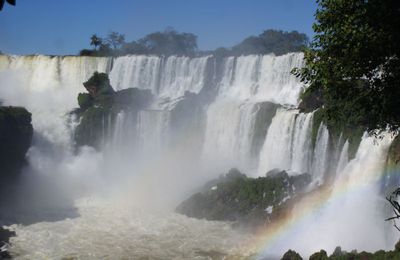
{"x": 64, "y": 26}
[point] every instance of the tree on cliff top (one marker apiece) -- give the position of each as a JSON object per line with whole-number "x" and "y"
{"x": 95, "y": 41}
{"x": 272, "y": 41}
{"x": 354, "y": 61}
{"x": 116, "y": 40}
{"x": 169, "y": 42}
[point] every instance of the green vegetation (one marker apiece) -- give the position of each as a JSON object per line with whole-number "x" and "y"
{"x": 95, "y": 41}
{"x": 291, "y": 255}
{"x": 99, "y": 107}
{"x": 171, "y": 42}
{"x": 353, "y": 61}
{"x": 271, "y": 41}
{"x": 98, "y": 84}
{"x": 251, "y": 201}
{"x": 321, "y": 255}
{"x": 168, "y": 42}
{"x": 338, "y": 254}
{"x": 85, "y": 100}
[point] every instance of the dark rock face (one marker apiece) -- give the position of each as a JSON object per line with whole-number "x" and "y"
{"x": 187, "y": 117}
{"x": 98, "y": 84}
{"x": 265, "y": 112}
{"x": 132, "y": 98}
{"x": 4, "y": 240}
{"x": 311, "y": 101}
{"x": 392, "y": 169}
{"x": 99, "y": 108}
{"x": 15, "y": 139}
{"x": 250, "y": 201}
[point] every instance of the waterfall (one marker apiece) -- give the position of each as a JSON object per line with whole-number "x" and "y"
{"x": 225, "y": 122}
{"x": 240, "y": 112}
{"x": 343, "y": 158}
{"x": 261, "y": 78}
{"x": 48, "y": 87}
{"x": 352, "y": 213}
{"x": 166, "y": 77}
{"x": 287, "y": 144}
{"x": 152, "y": 128}
{"x": 321, "y": 154}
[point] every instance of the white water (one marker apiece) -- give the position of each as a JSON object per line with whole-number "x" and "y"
{"x": 352, "y": 216}
{"x": 288, "y": 143}
{"x": 321, "y": 155}
{"x": 140, "y": 169}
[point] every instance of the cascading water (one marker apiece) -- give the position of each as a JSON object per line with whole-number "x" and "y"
{"x": 288, "y": 143}
{"x": 166, "y": 77}
{"x": 349, "y": 213}
{"x": 151, "y": 159}
{"x": 321, "y": 154}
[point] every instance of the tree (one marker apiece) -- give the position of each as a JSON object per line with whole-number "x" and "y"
{"x": 272, "y": 41}
{"x": 170, "y": 42}
{"x": 115, "y": 40}
{"x": 95, "y": 41}
{"x": 353, "y": 61}
{"x": 133, "y": 48}
{"x": 393, "y": 200}
{"x": 2, "y": 2}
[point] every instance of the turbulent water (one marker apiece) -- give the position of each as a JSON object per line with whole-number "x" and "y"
{"x": 247, "y": 120}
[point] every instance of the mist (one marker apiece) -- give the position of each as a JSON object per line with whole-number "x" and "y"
{"x": 207, "y": 115}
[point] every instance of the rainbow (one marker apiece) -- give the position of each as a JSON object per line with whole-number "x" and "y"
{"x": 349, "y": 183}
{"x": 353, "y": 179}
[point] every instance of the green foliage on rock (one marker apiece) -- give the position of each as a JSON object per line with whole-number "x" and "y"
{"x": 98, "y": 84}
{"x": 236, "y": 197}
{"x": 354, "y": 62}
{"x": 291, "y": 255}
{"x": 321, "y": 255}
{"x": 84, "y": 100}
{"x": 100, "y": 107}
{"x": 91, "y": 127}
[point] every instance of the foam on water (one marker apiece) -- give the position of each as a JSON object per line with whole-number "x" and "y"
{"x": 145, "y": 164}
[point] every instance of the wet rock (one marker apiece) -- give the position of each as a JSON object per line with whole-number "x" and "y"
{"x": 98, "y": 84}
{"x": 100, "y": 107}
{"x": 15, "y": 139}
{"x": 4, "y": 242}
{"x": 311, "y": 101}
{"x": 248, "y": 201}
